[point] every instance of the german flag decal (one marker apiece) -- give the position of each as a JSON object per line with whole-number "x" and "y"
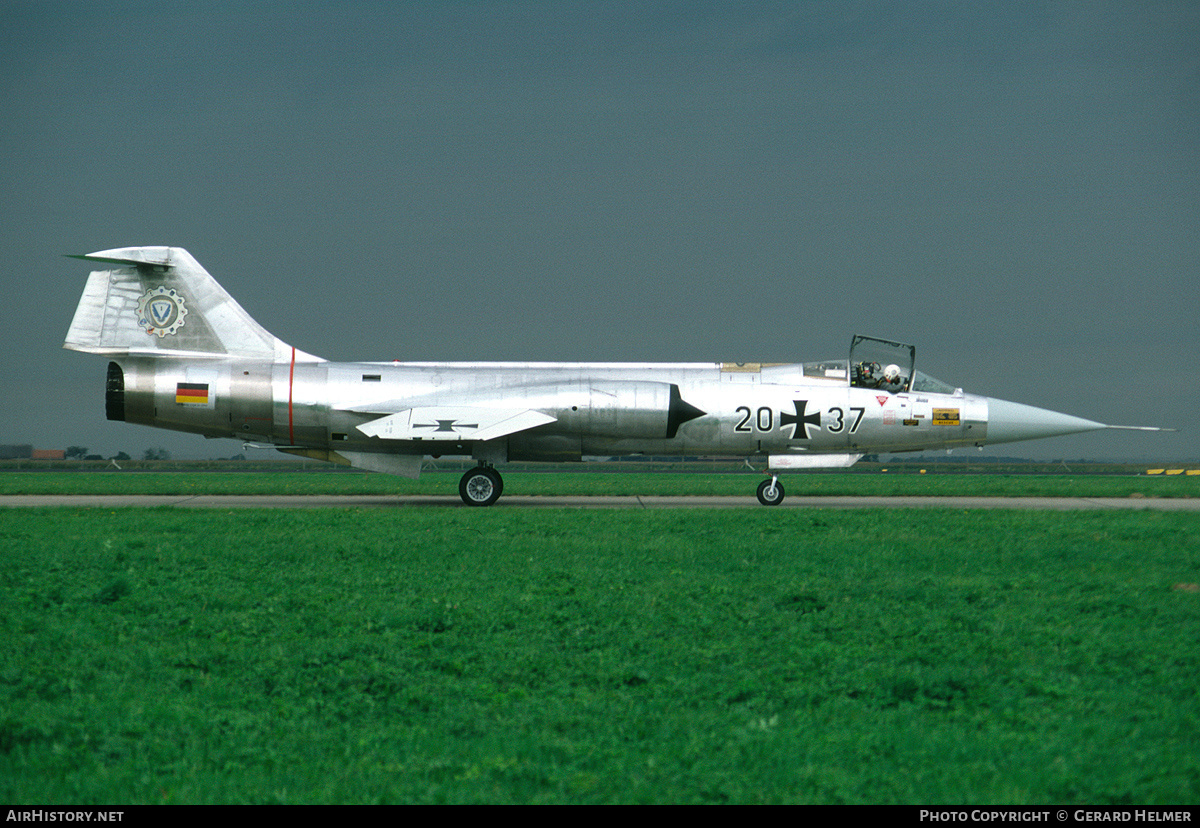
{"x": 945, "y": 417}
{"x": 191, "y": 393}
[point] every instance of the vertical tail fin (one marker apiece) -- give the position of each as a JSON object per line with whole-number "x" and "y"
{"x": 159, "y": 301}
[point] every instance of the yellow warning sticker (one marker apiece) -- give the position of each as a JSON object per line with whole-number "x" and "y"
{"x": 945, "y": 417}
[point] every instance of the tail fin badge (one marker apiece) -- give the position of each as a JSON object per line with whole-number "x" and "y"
{"x": 161, "y": 311}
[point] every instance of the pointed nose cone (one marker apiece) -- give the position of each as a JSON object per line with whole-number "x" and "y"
{"x": 1009, "y": 422}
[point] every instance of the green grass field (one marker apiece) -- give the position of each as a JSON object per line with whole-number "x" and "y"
{"x": 680, "y": 483}
{"x": 578, "y": 656}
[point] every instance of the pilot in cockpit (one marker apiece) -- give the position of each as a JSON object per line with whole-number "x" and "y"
{"x": 891, "y": 379}
{"x": 870, "y": 375}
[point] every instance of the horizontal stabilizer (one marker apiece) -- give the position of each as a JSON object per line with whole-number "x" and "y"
{"x": 160, "y": 256}
{"x": 812, "y": 461}
{"x": 454, "y": 422}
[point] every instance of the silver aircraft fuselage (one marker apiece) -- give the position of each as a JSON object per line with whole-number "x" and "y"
{"x": 598, "y": 408}
{"x": 185, "y": 356}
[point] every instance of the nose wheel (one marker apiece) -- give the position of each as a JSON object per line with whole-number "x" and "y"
{"x": 481, "y": 486}
{"x": 770, "y": 492}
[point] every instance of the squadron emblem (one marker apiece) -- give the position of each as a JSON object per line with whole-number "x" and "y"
{"x": 161, "y": 311}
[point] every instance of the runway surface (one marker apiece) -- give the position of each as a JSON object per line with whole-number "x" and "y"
{"x": 635, "y": 502}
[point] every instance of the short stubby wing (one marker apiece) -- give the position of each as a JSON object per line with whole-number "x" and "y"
{"x": 454, "y": 422}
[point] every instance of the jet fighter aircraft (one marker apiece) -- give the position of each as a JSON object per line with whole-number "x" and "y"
{"x": 186, "y": 356}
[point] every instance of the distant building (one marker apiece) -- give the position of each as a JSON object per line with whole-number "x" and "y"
{"x": 15, "y": 452}
{"x": 47, "y": 454}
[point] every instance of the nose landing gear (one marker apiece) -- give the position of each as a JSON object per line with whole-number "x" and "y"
{"x": 770, "y": 492}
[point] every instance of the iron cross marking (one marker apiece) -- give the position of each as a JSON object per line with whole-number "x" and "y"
{"x": 800, "y": 419}
{"x": 446, "y": 425}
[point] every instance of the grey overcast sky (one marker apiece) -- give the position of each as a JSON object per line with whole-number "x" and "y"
{"x": 1012, "y": 187}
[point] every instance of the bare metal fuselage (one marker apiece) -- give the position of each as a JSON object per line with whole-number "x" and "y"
{"x": 598, "y": 408}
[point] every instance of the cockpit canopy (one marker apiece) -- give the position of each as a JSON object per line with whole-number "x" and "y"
{"x": 878, "y": 364}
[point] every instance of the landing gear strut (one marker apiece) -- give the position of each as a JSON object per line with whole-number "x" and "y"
{"x": 481, "y": 486}
{"x": 770, "y": 492}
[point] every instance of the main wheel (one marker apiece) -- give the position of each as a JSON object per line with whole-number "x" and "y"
{"x": 770, "y": 492}
{"x": 480, "y": 486}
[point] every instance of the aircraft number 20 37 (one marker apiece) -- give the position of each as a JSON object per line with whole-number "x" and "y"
{"x": 764, "y": 420}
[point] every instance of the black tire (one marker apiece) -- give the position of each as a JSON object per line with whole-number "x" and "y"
{"x": 480, "y": 487}
{"x": 770, "y": 493}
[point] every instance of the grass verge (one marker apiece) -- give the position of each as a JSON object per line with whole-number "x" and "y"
{"x": 925, "y": 656}
{"x": 598, "y": 483}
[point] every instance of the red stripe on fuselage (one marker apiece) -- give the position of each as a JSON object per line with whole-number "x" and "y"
{"x": 291, "y": 382}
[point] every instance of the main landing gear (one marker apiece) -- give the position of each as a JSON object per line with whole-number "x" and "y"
{"x": 770, "y": 492}
{"x": 481, "y": 486}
